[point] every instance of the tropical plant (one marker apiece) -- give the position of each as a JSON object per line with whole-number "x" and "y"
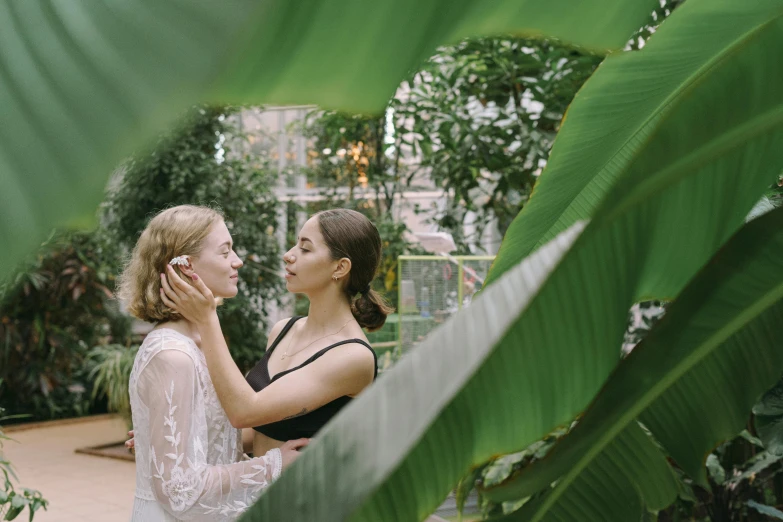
{"x": 768, "y": 419}
{"x": 109, "y": 368}
{"x": 13, "y": 502}
{"x": 355, "y": 152}
{"x": 51, "y": 313}
{"x": 481, "y": 116}
{"x": 744, "y": 479}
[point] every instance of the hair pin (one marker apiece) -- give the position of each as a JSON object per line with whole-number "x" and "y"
{"x": 179, "y": 260}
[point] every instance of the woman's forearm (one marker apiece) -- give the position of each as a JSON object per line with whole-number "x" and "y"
{"x": 235, "y": 394}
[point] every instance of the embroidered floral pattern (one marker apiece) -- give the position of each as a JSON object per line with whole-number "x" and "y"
{"x": 188, "y": 454}
{"x": 182, "y": 487}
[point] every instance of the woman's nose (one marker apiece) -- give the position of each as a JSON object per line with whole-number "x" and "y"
{"x": 289, "y": 258}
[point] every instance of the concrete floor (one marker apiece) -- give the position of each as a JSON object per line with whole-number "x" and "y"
{"x": 78, "y": 487}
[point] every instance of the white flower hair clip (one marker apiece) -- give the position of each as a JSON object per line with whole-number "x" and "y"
{"x": 180, "y": 260}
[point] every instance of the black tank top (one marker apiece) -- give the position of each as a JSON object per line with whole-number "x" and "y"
{"x": 304, "y": 426}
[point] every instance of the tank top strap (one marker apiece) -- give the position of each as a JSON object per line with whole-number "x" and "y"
{"x": 286, "y": 329}
{"x": 319, "y": 353}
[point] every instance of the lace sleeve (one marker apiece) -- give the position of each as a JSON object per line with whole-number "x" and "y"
{"x": 183, "y": 482}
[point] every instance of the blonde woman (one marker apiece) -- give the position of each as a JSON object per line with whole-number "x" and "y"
{"x": 188, "y": 455}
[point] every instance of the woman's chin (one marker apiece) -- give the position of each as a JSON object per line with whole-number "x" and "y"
{"x": 228, "y": 293}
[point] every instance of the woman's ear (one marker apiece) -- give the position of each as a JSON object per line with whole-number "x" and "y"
{"x": 343, "y": 268}
{"x": 185, "y": 265}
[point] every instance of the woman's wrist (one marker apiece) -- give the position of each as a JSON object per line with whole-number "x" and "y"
{"x": 208, "y": 322}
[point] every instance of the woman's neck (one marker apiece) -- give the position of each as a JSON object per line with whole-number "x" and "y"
{"x": 329, "y": 311}
{"x": 184, "y": 327}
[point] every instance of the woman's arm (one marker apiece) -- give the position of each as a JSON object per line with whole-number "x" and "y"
{"x": 346, "y": 370}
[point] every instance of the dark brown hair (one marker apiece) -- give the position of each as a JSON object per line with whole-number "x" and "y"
{"x": 350, "y": 234}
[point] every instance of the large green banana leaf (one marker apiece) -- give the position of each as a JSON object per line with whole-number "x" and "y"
{"x": 692, "y": 381}
{"x": 708, "y": 69}
{"x": 529, "y": 355}
{"x": 85, "y": 82}
{"x": 629, "y": 477}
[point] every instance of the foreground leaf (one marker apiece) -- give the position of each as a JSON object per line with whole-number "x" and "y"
{"x": 85, "y": 83}
{"x": 678, "y": 381}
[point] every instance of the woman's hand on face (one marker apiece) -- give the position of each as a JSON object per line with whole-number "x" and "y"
{"x": 195, "y": 303}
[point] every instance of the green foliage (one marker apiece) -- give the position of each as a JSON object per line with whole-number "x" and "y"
{"x": 499, "y": 469}
{"x": 481, "y": 117}
{"x": 634, "y": 106}
{"x": 13, "y": 502}
{"x": 109, "y": 369}
{"x": 766, "y": 510}
{"x": 360, "y": 153}
{"x": 670, "y": 376}
{"x": 51, "y": 313}
{"x": 356, "y": 152}
{"x": 196, "y": 165}
{"x": 768, "y": 419}
{"x": 743, "y": 479}
{"x": 478, "y": 119}
{"x": 768, "y": 412}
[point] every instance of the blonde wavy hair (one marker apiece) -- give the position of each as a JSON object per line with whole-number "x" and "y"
{"x": 177, "y": 231}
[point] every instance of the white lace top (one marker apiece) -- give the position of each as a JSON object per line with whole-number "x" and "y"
{"x": 188, "y": 456}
